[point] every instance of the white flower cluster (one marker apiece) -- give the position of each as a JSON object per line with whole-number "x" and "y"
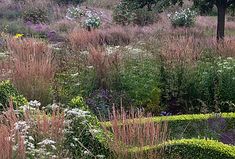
{"x": 35, "y": 104}
{"x": 92, "y": 20}
{"x": 185, "y": 17}
{"x": 74, "y": 13}
{"x": 226, "y": 65}
{"x": 77, "y": 112}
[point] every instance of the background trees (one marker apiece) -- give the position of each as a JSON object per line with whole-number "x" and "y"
{"x": 222, "y": 6}
{"x": 202, "y": 5}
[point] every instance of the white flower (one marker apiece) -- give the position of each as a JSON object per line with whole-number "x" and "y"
{"x": 86, "y": 152}
{"x": 78, "y": 112}
{"x": 100, "y": 156}
{"x": 34, "y": 103}
{"x": 94, "y": 131}
{"x": 90, "y": 67}
{"x": 46, "y": 142}
{"x": 72, "y": 145}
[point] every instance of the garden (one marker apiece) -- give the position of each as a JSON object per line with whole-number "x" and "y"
{"x": 117, "y": 79}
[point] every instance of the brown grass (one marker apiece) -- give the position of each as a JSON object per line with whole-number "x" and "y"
{"x": 104, "y": 64}
{"x": 116, "y": 36}
{"x": 5, "y": 144}
{"x": 32, "y": 67}
{"x": 82, "y": 39}
{"x": 50, "y": 127}
{"x": 129, "y": 132}
{"x": 7, "y": 133}
{"x": 178, "y": 49}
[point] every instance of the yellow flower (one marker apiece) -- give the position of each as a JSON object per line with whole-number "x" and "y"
{"x": 18, "y": 35}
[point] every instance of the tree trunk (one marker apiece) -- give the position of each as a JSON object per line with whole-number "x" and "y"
{"x": 221, "y": 20}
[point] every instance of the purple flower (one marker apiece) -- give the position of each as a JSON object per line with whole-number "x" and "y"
{"x": 217, "y": 124}
{"x": 228, "y": 137}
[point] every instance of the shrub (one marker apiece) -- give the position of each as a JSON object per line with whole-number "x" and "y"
{"x": 92, "y": 21}
{"x": 201, "y": 86}
{"x": 184, "y": 18}
{"x": 74, "y": 13}
{"x": 144, "y": 17}
{"x": 139, "y": 80}
{"x": 191, "y": 148}
{"x": 123, "y": 14}
{"x": 84, "y": 137}
{"x": 13, "y": 27}
{"x": 216, "y": 82}
{"x": 35, "y": 15}
{"x": 8, "y": 91}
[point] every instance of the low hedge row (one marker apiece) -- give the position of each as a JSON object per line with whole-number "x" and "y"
{"x": 196, "y": 125}
{"x": 191, "y": 149}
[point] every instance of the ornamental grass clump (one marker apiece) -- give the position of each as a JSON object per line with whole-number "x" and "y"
{"x": 129, "y": 132}
{"x": 32, "y": 68}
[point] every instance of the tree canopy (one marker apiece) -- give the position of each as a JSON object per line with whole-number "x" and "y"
{"x": 202, "y": 5}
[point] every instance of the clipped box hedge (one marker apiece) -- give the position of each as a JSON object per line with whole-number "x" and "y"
{"x": 211, "y": 126}
{"x": 191, "y": 149}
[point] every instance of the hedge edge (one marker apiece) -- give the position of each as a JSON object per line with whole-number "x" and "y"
{"x": 197, "y": 148}
{"x": 188, "y": 117}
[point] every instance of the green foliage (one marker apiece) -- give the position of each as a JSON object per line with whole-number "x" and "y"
{"x": 216, "y": 81}
{"x": 7, "y": 91}
{"x": 184, "y": 18}
{"x": 140, "y": 82}
{"x": 35, "y": 15}
{"x": 9, "y": 14}
{"x": 140, "y": 12}
{"x": 13, "y": 27}
{"x": 206, "y": 87}
{"x": 122, "y": 14}
{"x": 78, "y": 102}
{"x": 193, "y": 148}
{"x": 203, "y": 149}
{"x": 84, "y": 136}
{"x": 144, "y": 17}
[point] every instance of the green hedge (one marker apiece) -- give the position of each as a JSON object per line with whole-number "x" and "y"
{"x": 195, "y": 126}
{"x": 192, "y": 149}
